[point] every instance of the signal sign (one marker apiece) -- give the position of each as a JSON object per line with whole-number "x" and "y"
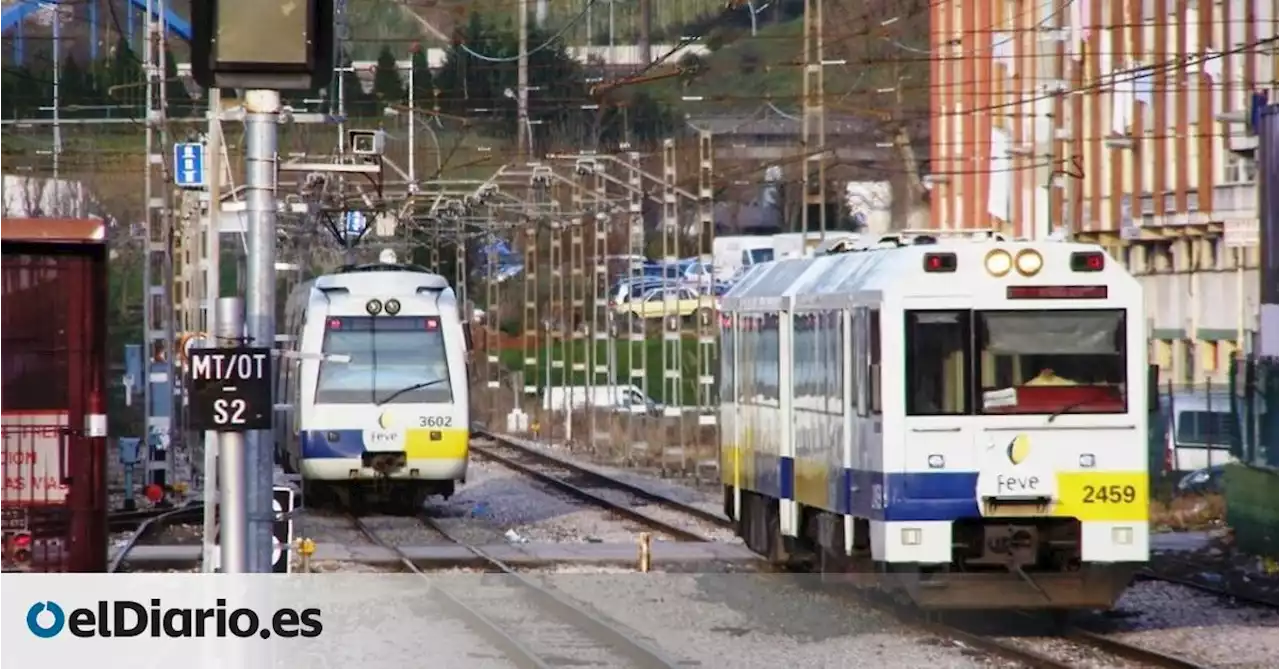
{"x": 283, "y": 501}
{"x": 231, "y": 389}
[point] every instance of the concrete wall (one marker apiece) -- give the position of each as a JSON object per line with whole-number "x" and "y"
{"x": 1252, "y": 510}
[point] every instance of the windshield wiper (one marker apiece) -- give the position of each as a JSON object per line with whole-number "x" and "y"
{"x": 409, "y": 389}
{"x": 1068, "y": 408}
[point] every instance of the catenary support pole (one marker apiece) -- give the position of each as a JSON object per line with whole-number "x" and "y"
{"x": 262, "y": 109}
{"x": 523, "y": 137}
{"x": 212, "y": 291}
{"x": 232, "y": 469}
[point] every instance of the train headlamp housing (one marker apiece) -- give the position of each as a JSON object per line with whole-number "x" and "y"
{"x": 374, "y": 307}
{"x": 998, "y": 262}
{"x": 1028, "y": 262}
{"x": 392, "y": 306}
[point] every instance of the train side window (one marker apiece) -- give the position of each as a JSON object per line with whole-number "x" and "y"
{"x": 727, "y": 359}
{"x": 938, "y": 363}
{"x": 873, "y": 359}
{"x": 859, "y": 361}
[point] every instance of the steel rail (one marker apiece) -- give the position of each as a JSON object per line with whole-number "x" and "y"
{"x": 1151, "y": 575}
{"x": 145, "y": 527}
{"x": 1033, "y": 658}
{"x": 1146, "y": 656}
{"x": 592, "y": 475}
{"x": 125, "y": 521}
{"x": 636, "y": 650}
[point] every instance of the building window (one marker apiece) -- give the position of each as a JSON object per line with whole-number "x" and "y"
{"x": 1236, "y": 170}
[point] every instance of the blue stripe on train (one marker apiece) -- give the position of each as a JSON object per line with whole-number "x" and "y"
{"x": 316, "y": 444}
{"x": 915, "y": 496}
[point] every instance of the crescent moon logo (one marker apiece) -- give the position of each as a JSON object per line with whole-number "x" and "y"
{"x": 384, "y": 420}
{"x": 1019, "y": 449}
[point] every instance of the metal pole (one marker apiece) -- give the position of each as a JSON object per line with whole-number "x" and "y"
{"x": 413, "y": 150}
{"x": 262, "y": 108}
{"x": 212, "y": 290}
{"x": 233, "y": 468}
{"x": 523, "y": 136}
{"x": 57, "y": 97}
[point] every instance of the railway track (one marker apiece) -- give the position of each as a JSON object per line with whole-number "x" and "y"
{"x": 145, "y": 524}
{"x": 560, "y": 474}
{"x": 509, "y": 613}
{"x": 1069, "y": 644}
{"x": 130, "y": 521}
{"x": 1149, "y": 575}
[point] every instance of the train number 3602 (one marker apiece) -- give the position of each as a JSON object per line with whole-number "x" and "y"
{"x": 435, "y": 421}
{"x": 1110, "y": 494}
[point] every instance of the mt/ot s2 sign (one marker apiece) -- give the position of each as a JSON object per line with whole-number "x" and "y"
{"x": 231, "y": 389}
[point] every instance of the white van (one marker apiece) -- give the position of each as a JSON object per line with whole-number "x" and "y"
{"x": 1200, "y": 430}
{"x": 622, "y": 399}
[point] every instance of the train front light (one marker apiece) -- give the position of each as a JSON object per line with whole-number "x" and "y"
{"x": 1028, "y": 262}
{"x": 998, "y": 262}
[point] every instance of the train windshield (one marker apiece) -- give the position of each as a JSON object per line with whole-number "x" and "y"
{"x": 394, "y": 360}
{"x": 1049, "y": 362}
{"x": 1016, "y": 362}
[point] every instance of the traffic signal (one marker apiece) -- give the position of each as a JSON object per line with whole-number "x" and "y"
{"x": 20, "y": 548}
{"x": 265, "y": 44}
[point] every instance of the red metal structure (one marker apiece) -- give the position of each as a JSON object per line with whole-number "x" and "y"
{"x": 53, "y": 363}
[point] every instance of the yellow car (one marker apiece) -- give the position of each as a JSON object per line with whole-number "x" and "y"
{"x": 684, "y": 302}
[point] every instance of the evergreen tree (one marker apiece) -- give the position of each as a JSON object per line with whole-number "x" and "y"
{"x": 358, "y": 103}
{"x": 388, "y": 88}
{"x": 125, "y": 73}
{"x": 423, "y": 81}
{"x": 75, "y": 90}
{"x": 177, "y": 99}
{"x": 467, "y": 83}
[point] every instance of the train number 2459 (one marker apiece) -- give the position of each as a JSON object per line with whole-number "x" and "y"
{"x": 435, "y": 421}
{"x": 1110, "y": 494}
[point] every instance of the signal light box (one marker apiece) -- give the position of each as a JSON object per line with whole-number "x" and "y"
{"x": 265, "y": 44}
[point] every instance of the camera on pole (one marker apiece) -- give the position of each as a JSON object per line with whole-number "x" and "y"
{"x": 262, "y": 44}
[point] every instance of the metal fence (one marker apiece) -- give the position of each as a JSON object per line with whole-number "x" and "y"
{"x": 1255, "y": 389}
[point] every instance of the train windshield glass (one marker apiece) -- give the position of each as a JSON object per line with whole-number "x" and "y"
{"x": 394, "y": 360}
{"x": 1050, "y": 362}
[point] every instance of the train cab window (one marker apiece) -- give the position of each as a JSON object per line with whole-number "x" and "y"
{"x": 1038, "y": 362}
{"x": 394, "y": 360}
{"x": 938, "y": 363}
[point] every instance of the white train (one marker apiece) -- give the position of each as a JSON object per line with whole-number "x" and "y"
{"x": 377, "y": 386}
{"x": 960, "y": 422}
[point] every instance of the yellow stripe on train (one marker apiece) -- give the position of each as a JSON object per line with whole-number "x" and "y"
{"x": 450, "y": 444}
{"x": 1103, "y": 496}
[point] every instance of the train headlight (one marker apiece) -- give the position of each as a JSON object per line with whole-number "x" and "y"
{"x": 911, "y": 536}
{"x": 393, "y": 307}
{"x": 936, "y": 461}
{"x": 1028, "y": 262}
{"x": 374, "y": 307}
{"x": 998, "y": 262}
{"x": 1086, "y": 460}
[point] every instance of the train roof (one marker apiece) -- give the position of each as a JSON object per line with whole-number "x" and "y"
{"x": 896, "y": 272}
{"x": 382, "y": 278}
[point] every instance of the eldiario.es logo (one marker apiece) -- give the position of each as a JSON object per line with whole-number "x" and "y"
{"x": 125, "y": 618}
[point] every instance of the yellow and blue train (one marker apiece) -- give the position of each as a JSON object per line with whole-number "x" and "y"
{"x": 960, "y": 421}
{"x": 376, "y": 384}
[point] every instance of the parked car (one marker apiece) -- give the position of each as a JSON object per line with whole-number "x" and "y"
{"x": 1201, "y": 430}
{"x": 1203, "y": 481}
{"x": 687, "y": 303}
